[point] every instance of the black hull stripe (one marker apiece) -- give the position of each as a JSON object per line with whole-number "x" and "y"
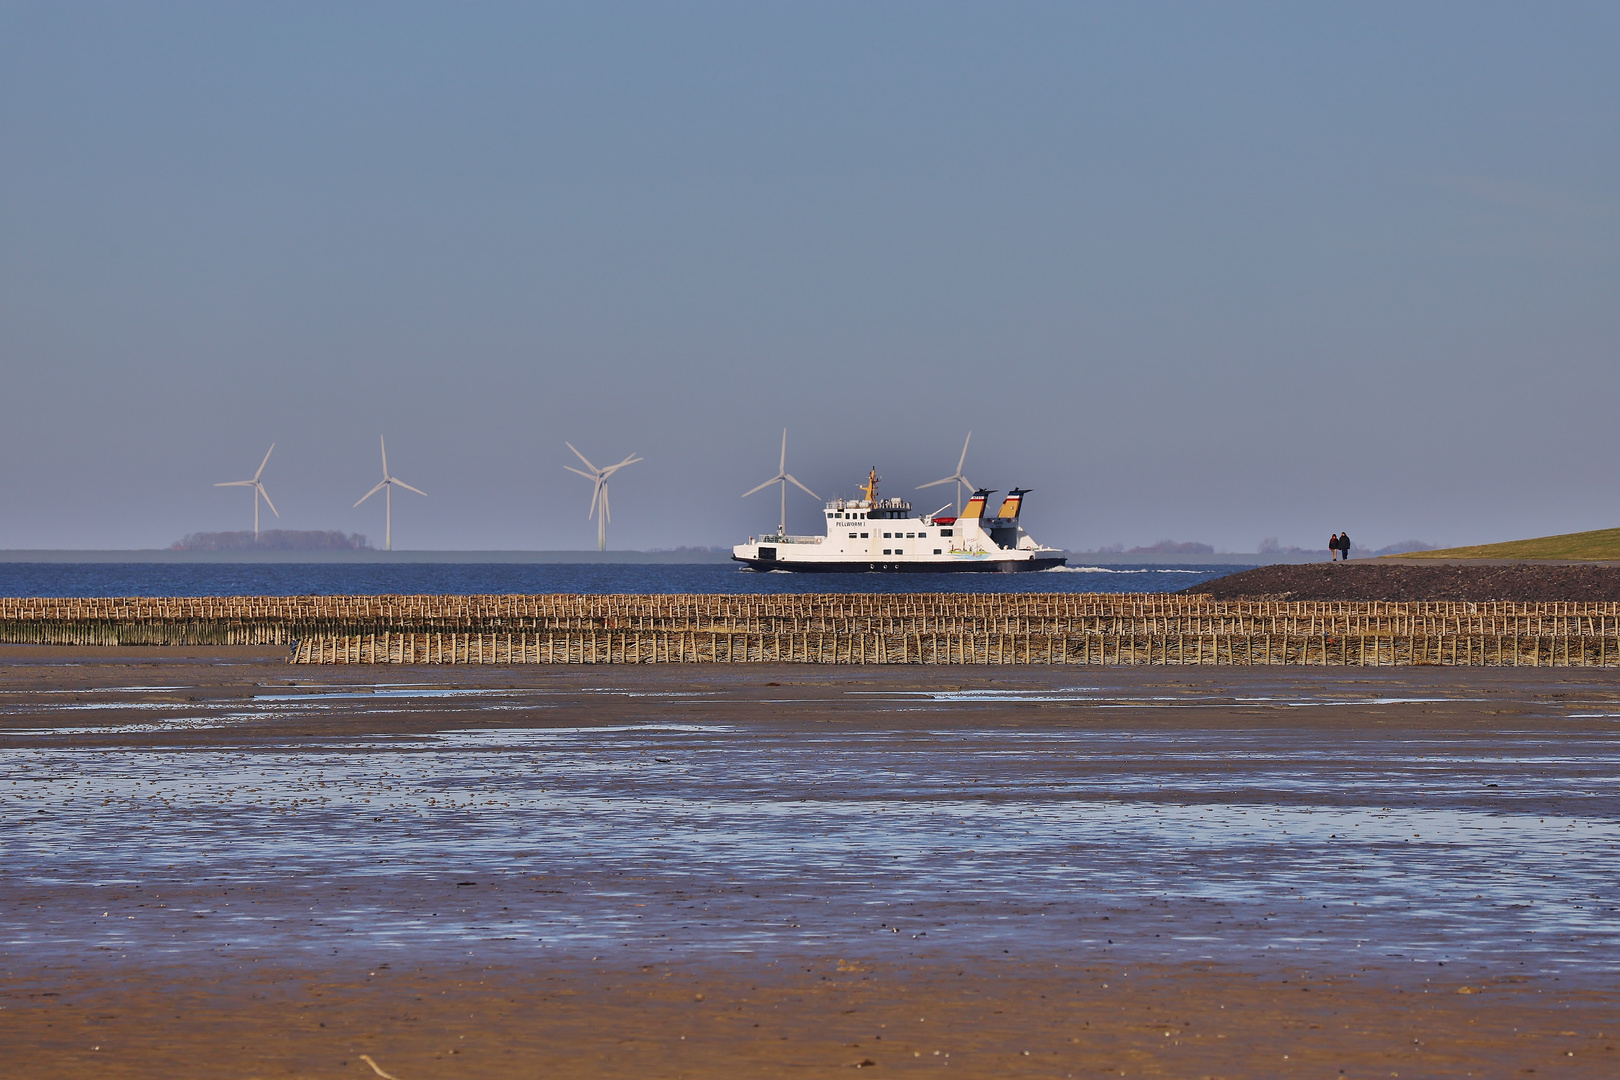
{"x": 1000, "y": 566}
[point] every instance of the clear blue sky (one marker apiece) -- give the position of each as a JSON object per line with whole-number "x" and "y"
{"x": 1205, "y": 272}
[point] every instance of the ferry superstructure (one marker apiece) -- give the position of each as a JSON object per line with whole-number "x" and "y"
{"x": 873, "y": 534}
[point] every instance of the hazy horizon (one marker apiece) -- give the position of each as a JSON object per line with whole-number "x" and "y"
{"x": 1267, "y": 271}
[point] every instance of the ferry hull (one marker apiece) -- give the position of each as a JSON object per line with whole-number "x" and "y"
{"x": 884, "y": 566}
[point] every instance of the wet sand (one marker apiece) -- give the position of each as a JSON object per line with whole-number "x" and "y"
{"x": 217, "y": 865}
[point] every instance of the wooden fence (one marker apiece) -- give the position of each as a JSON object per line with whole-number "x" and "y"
{"x": 710, "y": 647}
{"x": 837, "y": 628}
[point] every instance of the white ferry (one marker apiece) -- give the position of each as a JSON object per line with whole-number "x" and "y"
{"x": 881, "y": 535}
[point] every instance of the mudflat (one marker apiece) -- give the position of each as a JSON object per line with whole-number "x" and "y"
{"x": 219, "y": 865}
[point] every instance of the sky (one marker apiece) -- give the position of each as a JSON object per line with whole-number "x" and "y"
{"x": 1186, "y": 271}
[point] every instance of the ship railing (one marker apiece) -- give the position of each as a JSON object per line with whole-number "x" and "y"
{"x": 791, "y": 539}
{"x": 862, "y": 504}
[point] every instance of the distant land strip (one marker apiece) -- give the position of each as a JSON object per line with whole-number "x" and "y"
{"x": 899, "y": 628}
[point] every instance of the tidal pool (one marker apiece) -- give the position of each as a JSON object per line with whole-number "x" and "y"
{"x": 649, "y": 819}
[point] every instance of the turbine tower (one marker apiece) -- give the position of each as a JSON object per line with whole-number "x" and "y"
{"x": 956, "y": 476}
{"x": 258, "y": 489}
{"x": 784, "y": 479}
{"x": 387, "y": 488}
{"x": 599, "y": 494}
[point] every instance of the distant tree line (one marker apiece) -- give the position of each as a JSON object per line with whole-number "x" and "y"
{"x": 273, "y": 540}
{"x": 1269, "y": 546}
{"x": 1163, "y": 547}
{"x": 697, "y": 549}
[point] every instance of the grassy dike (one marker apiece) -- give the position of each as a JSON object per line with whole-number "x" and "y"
{"x": 1598, "y": 544}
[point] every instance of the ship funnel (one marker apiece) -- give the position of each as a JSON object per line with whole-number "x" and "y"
{"x": 975, "y": 506}
{"x": 1012, "y": 504}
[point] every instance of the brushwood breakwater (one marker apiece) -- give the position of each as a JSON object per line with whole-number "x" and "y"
{"x": 841, "y": 628}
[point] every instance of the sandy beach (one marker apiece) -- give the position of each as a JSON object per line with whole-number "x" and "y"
{"x": 220, "y": 865}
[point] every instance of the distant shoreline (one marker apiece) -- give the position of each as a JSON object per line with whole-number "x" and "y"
{"x": 165, "y": 555}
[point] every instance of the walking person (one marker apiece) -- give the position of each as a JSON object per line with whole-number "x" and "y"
{"x": 1333, "y": 548}
{"x": 1344, "y": 545}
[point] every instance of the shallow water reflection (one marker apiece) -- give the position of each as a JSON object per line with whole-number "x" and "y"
{"x": 1220, "y": 844}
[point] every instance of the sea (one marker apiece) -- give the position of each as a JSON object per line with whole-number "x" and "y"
{"x": 464, "y": 579}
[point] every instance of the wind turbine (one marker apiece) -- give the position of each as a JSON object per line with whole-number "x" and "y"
{"x": 387, "y": 488}
{"x": 599, "y": 494}
{"x": 956, "y": 476}
{"x": 258, "y": 489}
{"x": 784, "y": 479}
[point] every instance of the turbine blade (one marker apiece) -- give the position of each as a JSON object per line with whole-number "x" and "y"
{"x": 596, "y": 493}
{"x": 580, "y": 472}
{"x": 631, "y": 460}
{"x": 581, "y": 456}
{"x": 762, "y": 487}
{"x": 408, "y": 487}
{"x": 964, "y": 480}
{"x": 800, "y": 486}
{"x": 782, "y": 468}
{"x": 936, "y": 483}
{"x": 961, "y": 461}
{"x": 260, "y": 489}
{"x": 236, "y": 483}
{"x": 607, "y": 514}
{"x": 265, "y": 462}
{"x": 384, "y": 444}
{"x": 372, "y": 492}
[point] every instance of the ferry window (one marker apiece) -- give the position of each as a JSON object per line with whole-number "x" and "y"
{"x": 938, "y": 552}
{"x": 852, "y": 536}
{"x": 945, "y": 532}
{"x": 899, "y": 551}
{"x": 911, "y": 536}
{"x": 863, "y": 535}
{"x": 885, "y": 551}
{"x": 888, "y": 536}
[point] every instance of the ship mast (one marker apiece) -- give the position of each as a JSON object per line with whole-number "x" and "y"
{"x": 870, "y": 487}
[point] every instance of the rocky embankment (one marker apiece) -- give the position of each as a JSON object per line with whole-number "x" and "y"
{"x": 1520, "y": 582}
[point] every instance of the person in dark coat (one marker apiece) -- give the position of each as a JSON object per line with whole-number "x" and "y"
{"x": 1333, "y": 546}
{"x": 1344, "y": 545}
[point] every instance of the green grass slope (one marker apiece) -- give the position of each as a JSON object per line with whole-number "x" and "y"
{"x": 1597, "y": 544}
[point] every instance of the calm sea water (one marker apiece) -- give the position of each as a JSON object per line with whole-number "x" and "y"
{"x": 329, "y": 579}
